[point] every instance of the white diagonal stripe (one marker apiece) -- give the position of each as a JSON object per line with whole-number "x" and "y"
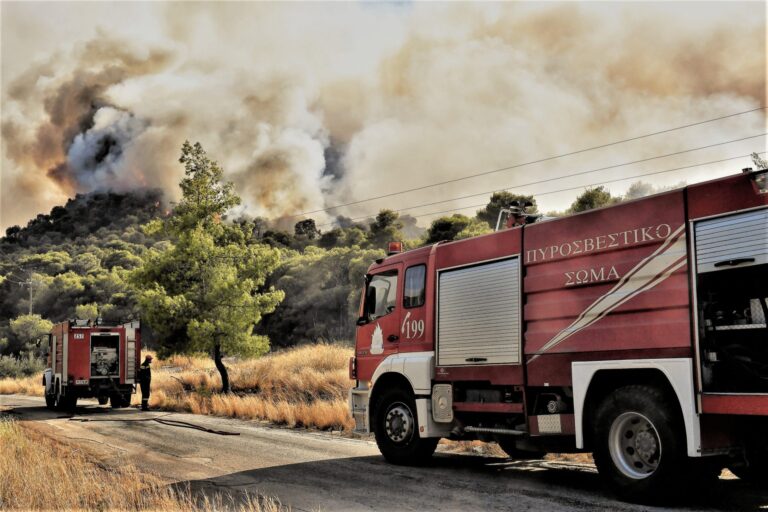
{"x": 663, "y": 262}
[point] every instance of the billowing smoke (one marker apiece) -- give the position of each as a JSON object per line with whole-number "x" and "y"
{"x": 312, "y": 105}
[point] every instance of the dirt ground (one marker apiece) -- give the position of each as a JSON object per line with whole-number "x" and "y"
{"x": 311, "y": 470}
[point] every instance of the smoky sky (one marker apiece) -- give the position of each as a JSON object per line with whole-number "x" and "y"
{"x": 307, "y": 106}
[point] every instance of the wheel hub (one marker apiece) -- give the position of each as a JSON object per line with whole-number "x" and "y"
{"x": 634, "y": 445}
{"x": 645, "y": 444}
{"x": 399, "y": 423}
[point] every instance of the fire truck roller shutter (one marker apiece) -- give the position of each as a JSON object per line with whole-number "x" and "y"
{"x": 734, "y": 240}
{"x": 130, "y": 353}
{"x": 479, "y": 314}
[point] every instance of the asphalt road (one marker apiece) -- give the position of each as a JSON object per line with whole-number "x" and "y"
{"x": 321, "y": 471}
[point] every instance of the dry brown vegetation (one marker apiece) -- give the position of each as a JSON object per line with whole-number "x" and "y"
{"x": 25, "y": 386}
{"x": 39, "y": 473}
{"x": 305, "y": 386}
{"x": 300, "y": 387}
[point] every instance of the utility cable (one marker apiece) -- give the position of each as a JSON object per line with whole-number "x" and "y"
{"x": 581, "y": 173}
{"x": 531, "y": 162}
{"x": 537, "y": 194}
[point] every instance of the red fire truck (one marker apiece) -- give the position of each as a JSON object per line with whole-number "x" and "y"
{"x": 636, "y": 331}
{"x": 87, "y": 360}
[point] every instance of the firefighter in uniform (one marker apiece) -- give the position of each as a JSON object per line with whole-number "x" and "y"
{"x": 145, "y": 378}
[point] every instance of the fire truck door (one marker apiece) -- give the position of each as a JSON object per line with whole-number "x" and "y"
{"x": 379, "y": 337}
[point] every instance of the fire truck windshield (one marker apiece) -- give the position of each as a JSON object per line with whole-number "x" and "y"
{"x": 385, "y": 285}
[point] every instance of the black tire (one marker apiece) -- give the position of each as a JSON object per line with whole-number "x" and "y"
{"x": 50, "y": 399}
{"x": 118, "y": 401}
{"x": 103, "y": 400}
{"x": 66, "y": 403}
{"x": 397, "y": 431}
{"x": 639, "y": 445}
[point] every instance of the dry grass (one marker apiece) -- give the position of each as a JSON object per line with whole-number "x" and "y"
{"x": 305, "y": 386}
{"x": 300, "y": 387}
{"x": 473, "y": 447}
{"x": 26, "y": 386}
{"x": 39, "y": 473}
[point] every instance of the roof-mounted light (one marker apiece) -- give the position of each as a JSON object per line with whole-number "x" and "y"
{"x": 394, "y": 248}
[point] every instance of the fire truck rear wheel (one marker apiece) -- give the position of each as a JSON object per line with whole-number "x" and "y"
{"x": 397, "y": 431}
{"x": 103, "y": 400}
{"x": 639, "y": 445}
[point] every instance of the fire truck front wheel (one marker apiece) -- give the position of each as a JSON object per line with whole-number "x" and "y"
{"x": 397, "y": 431}
{"x": 639, "y": 445}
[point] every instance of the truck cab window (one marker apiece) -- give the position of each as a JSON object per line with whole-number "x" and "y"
{"x": 385, "y": 285}
{"x": 414, "y": 293}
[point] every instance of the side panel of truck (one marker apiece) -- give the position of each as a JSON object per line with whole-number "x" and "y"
{"x": 607, "y": 284}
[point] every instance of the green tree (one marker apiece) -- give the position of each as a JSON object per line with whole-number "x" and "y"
{"x": 28, "y": 329}
{"x": 322, "y": 292}
{"x": 306, "y": 228}
{"x": 476, "y": 227}
{"x": 385, "y": 228}
{"x": 639, "y": 189}
{"x": 206, "y": 197}
{"x": 446, "y": 228}
{"x": 592, "y": 198}
{"x": 206, "y": 291}
{"x": 331, "y": 238}
{"x": 499, "y": 200}
{"x": 87, "y": 311}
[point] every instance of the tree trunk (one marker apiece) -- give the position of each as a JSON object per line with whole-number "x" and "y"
{"x": 225, "y": 388}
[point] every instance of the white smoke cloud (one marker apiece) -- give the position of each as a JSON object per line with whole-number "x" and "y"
{"x": 97, "y": 154}
{"x": 405, "y": 95}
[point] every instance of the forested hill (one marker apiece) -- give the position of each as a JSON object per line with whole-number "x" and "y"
{"x": 101, "y": 214}
{"x": 78, "y": 259}
{"x": 77, "y": 255}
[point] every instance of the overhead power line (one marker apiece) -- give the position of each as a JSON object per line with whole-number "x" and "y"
{"x": 577, "y": 187}
{"x": 581, "y": 173}
{"x": 531, "y": 162}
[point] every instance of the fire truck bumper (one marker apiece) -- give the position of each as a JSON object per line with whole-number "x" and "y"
{"x": 358, "y": 406}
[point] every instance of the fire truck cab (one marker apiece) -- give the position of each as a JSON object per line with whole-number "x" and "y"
{"x": 636, "y": 332}
{"x": 91, "y": 361}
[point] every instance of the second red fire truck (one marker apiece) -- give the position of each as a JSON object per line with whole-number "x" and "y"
{"x": 95, "y": 361}
{"x": 637, "y": 332}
